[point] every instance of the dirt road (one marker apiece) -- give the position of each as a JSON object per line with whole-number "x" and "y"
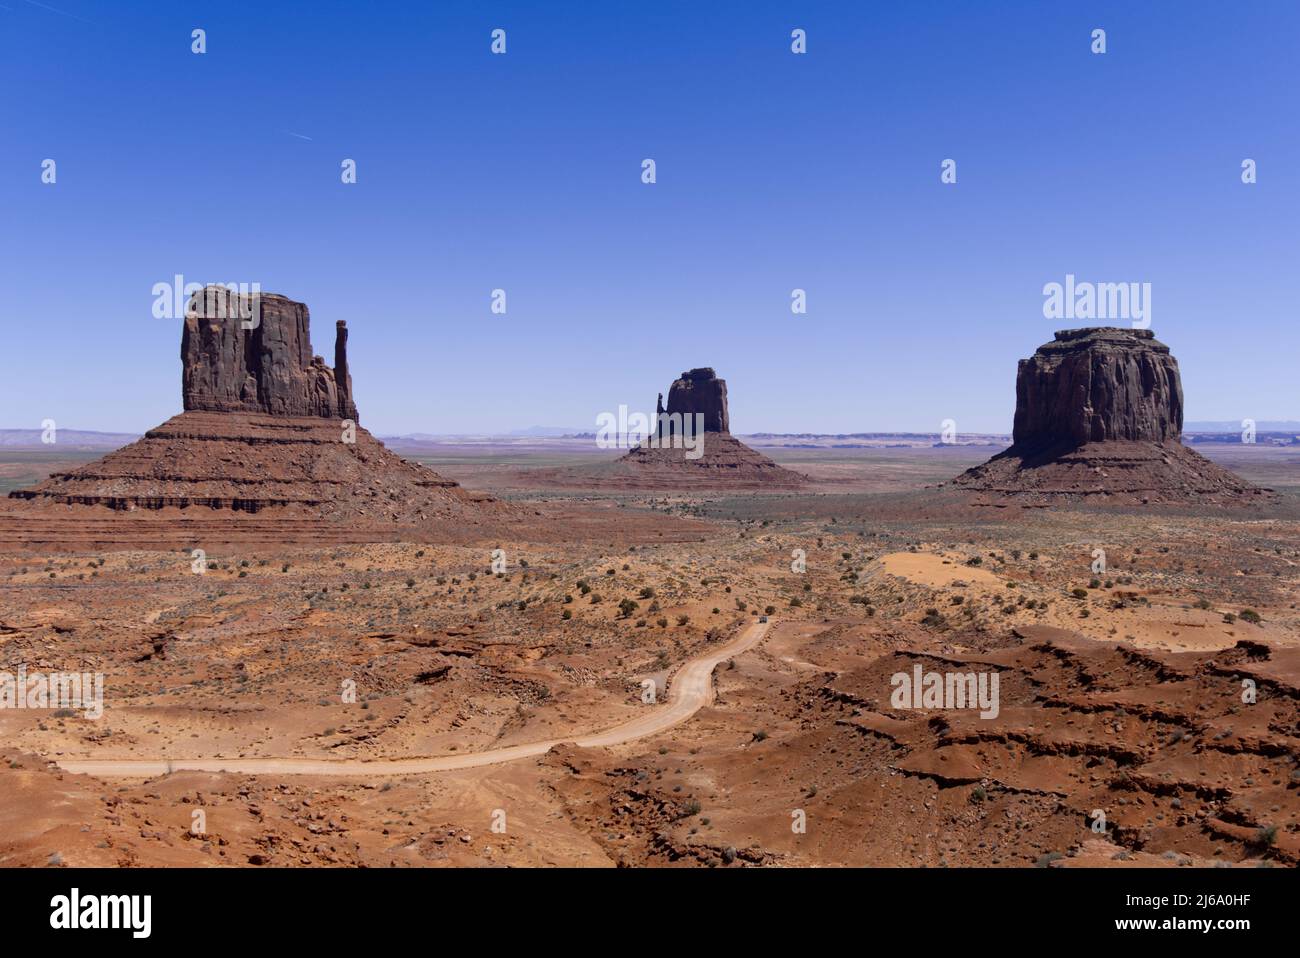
{"x": 690, "y": 690}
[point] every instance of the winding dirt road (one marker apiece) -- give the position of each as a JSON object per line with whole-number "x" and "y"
{"x": 690, "y": 690}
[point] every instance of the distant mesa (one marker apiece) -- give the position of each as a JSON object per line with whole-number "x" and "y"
{"x": 725, "y": 460}
{"x": 1099, "y": 413}
{"x": 267, "y": 426}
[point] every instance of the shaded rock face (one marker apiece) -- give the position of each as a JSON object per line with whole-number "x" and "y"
{"x": 700, "y": 391}
{"x": 1099, "y": 414}
{"x": 1098, "y": 385}
{"x": 231, "y": 364}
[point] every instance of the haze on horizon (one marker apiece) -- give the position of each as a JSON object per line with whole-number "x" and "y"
{"x": 775, "y": 171}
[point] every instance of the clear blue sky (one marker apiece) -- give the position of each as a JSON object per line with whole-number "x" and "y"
{"x": 775, "y": 171}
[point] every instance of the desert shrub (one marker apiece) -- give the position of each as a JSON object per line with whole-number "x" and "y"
{"x": 1251, "y": 616}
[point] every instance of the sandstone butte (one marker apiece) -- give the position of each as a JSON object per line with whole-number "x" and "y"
{"x": 1099, "y": 414}
{"x": 726, "y": 461}
{"x": 269, "y": 430}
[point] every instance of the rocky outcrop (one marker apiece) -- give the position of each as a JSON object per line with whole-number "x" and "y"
{"x": 1094, "y": 385}
{"x": 252, "y": 462}
{"x": 256, "y": 357}
{"x": 699, "y": 391}
{"x": 718, "y": 459}
{"x": 265, "y": 430}
{"x": 1099, "y": 414}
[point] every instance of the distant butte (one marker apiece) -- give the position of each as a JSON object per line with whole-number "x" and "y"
{"x": 726, "y": 461}
{"x": 1099, "y": 413}
{"x": 267, "y": 427}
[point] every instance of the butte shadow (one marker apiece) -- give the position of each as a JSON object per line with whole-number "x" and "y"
{"x": 1099, "y": 418}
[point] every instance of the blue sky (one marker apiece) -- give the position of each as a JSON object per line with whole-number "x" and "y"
{"x": 522, "y": 172}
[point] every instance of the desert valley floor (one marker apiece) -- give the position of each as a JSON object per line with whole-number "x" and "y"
{"x": 1121, "y": 691}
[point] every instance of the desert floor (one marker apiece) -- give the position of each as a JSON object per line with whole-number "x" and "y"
{"x": 1126, "y": 730}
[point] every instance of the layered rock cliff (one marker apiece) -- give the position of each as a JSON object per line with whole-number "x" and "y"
{"x": 1094, "y": 385}
{"x": 1099, "y": 413}
{"x": 257, "y": 357}
{"x": 264, "y": 430}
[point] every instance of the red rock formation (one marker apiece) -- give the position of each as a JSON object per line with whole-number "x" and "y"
{"x": 1099, "y": 413}
{"x": 701, "y": 391}
{"x": 725, "y": 460}
{"x": 1093, "y": 385}
{"x": 265, "y": 428}
{"x": 265, "y": 364}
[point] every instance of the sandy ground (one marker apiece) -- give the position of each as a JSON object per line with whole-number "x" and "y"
{"x": 1122, "y": 691}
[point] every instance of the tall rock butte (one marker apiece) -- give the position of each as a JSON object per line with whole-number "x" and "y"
{"x": 1094, "y": 385}
{"x": 725, "y": 461}
{"x": 267, "y": 426}
{"x": 699, "y": 391}
{"x": 1099, "y": 412}
{"x": 263, "y": 363}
